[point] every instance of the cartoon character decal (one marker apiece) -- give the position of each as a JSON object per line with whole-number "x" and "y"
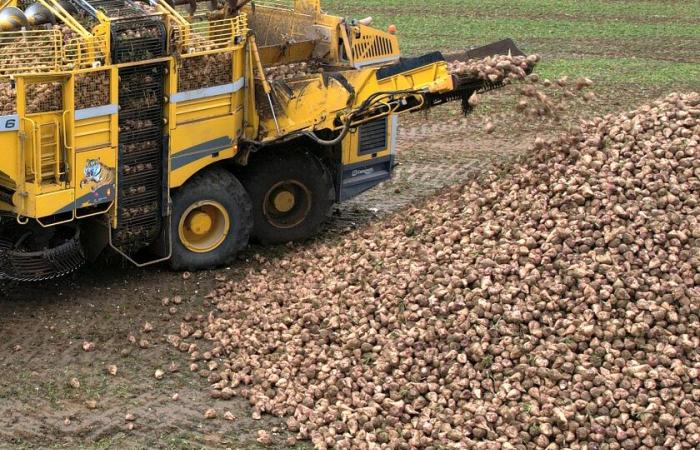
{"x": 101, "y": 180}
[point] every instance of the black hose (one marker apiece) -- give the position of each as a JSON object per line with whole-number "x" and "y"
{"x": 311, "y": 135}
{"x": 348, "y": 123}
{"x": 346, "y": 127}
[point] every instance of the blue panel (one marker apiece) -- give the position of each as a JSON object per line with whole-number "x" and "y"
{"x": 199, "y": 151}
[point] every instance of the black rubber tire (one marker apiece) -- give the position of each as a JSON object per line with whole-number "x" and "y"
{"x": 266, "y": 171}
{"x": 223, "y": 187}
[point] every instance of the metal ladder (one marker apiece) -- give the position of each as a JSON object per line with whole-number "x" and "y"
{"x": 45, "y": 166}
{"x": 50, "y": 148}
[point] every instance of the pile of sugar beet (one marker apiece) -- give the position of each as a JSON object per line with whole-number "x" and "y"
{"x": 554, "y": 306}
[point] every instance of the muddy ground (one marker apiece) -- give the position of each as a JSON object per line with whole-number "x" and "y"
{"x": 43, "y": 326}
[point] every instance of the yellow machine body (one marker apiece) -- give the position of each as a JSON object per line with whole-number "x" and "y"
{"x": 202, "y": 127}
{"x": 63, "y": 144}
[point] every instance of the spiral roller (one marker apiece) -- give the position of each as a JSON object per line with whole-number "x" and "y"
{"x": 12, "y": 19}
{"x": 38, "y": 14}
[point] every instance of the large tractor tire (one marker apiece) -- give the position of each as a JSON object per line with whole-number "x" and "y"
{"x": 211, "y": 221}
{"x": 292, "y": 194}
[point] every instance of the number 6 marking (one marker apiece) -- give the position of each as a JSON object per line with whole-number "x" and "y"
{"x": 9, "y": 123}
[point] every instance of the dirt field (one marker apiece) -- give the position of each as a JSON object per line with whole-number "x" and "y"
{"x": 45, "y": 325}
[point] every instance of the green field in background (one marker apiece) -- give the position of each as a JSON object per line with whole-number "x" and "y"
{"x": 641, "y": 42}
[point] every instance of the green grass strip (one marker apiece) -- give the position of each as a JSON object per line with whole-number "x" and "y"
{"x": 649, "y": 10}
{"x": 624, "y": 71}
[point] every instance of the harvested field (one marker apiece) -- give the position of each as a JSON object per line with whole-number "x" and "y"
{"x": 633, "y": 51}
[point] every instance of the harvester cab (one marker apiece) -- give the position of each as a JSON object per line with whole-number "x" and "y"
{"x": 178, "y": 130}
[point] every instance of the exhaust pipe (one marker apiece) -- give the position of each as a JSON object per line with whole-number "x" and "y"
{"x": 12, "y": 19}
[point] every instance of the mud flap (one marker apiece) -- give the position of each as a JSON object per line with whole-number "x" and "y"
{"x": 94, "y": 237}
{"x": 360, "y": 177}
{"x": 379, "y": 139}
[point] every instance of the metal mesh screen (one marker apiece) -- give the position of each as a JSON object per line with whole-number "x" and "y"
{"x": 140, "y": 156}
{"x": 44, "y": 97}
{"x": 8, "y": 99}
{"x": 204, "y": 71}
{"x": 137, "y": 39}
{"x": 91, "y": 89}
{"x": 275, "y": 24}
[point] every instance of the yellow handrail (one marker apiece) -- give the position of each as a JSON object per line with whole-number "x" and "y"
{"x": 23, "y": 162}
{"x": 202, "y": 36}
{"x": 45, "y": 51}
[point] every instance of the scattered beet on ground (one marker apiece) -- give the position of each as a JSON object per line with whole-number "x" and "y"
{"x": 555, "y": 307}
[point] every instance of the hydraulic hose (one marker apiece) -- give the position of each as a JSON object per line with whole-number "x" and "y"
{"x": 360, "y": 110}
{"x": 364, "y": 107}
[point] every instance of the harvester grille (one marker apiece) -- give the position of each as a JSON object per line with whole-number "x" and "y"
{"x": 204, "y": 71}
{"x": 31, "y": 51}
{"x": 141, "y": 157}
{"x": 44, "y": 97}
{"x": 138, "y": 39}
{"x": 373, "y": 137}
{"x": 201, "y": 35}
{"x": 46, "y": 51}
{"x": 84, "y": 53}
{"x": 92, "y": 89}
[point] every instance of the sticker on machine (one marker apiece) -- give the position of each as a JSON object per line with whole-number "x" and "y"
{"x": 100, "y": 179}
{"x": 9, "y": 123}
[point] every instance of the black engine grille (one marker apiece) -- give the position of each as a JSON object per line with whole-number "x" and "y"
{"x": 137, "y": 39}
{"x": 373, "y": 137}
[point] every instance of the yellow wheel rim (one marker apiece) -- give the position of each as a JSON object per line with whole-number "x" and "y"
{"x": 287, "y": 204}
{"x": 204, "y": 226}
{"x": 284, "y": 201}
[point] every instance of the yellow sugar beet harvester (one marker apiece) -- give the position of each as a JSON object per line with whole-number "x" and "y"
{"x": 166, "y": 132}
